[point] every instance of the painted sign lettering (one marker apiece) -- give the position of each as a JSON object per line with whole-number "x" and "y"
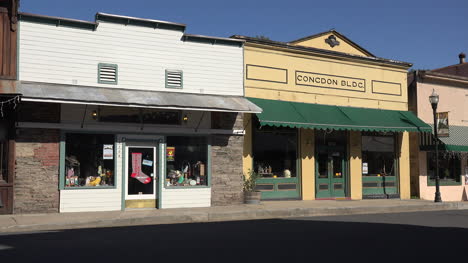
{"x": 330, "y": 81}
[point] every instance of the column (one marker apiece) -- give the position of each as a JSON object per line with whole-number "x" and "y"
{"x": 247, "y": 157}
{"x": 404, "y": 163}
{"x": 307, "y": 153}
{"x": 355, "y": 164}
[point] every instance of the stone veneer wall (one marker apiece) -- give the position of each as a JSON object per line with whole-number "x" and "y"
{"x": 226, "y": 163}
{"x": 37, "y": 168}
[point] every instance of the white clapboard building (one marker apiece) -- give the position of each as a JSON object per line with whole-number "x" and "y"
{"x": 126, "y": 113}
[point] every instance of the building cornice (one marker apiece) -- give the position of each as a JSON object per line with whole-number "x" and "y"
{"x": 269, "y": 44}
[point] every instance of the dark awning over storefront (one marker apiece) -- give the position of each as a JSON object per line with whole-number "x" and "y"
{"x": 316, "y": 116}
{"x": 60, "y": 93}
{"x": 457, "y": 141}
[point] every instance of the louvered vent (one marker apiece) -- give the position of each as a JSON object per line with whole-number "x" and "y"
{"x": 174, "y": 79}
{"x": 107, "y": 74}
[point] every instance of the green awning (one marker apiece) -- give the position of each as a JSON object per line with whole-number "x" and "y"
{"x": 446, "y": 147}
{"x": 316, "y": 116}
{"x": 457, "y": 141}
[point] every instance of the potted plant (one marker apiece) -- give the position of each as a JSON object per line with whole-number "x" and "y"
{"x": 251, "y": 196}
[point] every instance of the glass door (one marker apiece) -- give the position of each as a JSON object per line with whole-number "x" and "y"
{"x": 330, "y": 172}
{"x": 140, "y": 176}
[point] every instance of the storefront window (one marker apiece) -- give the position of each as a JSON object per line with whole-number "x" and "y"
{"x": 449, "y": 167}
{"x": 378, "y": 154}
{"x": 275, "y": 151}
{"x": 186, "y": 161}
{"x": 89, "y": 160}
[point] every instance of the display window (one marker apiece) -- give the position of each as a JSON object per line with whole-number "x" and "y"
{"x": 275, "y": 151}
{"x": 378, "y": 154}
{"x": 89, "y": 160}
{"x": 186, "y": 161}
{"x": 449, "y": 168}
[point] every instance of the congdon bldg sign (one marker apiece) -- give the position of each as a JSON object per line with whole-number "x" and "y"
{"x": 330, "y": 81}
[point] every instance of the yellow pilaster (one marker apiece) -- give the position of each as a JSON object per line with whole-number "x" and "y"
{"x": 307, "y": 142}
{"x": 355, "y": 164}
{"x": 404, "y": 164}
{"x": 247, "y": 158}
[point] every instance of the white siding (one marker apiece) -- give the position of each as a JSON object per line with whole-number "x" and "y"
{"x": 186, "y": 197}
{"x": 70, "y": 56}
{"x": 88, "y": 200}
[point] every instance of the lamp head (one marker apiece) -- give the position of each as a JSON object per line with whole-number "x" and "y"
{"x": 434, "y": 99}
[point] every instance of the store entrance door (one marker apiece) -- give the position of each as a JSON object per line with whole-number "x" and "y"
{"x": 140, "y": 175}
{"x": 330, "y": 172}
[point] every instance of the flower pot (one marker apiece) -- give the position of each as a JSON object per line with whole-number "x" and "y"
{"x": 252, "y": 197}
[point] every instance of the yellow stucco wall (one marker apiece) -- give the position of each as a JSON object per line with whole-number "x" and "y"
{"x": 404, "y": 163}
{"x": 355, "y": 164}
{"x": 247, "y": 159}
{"x": 307, "y": 154}
{"x": 319, "y": 42}
{"x": 273, "y": 73}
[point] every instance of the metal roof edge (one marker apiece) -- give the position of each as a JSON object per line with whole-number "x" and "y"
{"x": 127, "y": 19}
{"x": 237, "y": 99}
{"x": 214, "y": 38}
{"x": 442, "y": 76}
{"x": 59, "y": 21}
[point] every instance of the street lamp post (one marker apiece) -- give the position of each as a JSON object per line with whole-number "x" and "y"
{"x": 434, "y": 100}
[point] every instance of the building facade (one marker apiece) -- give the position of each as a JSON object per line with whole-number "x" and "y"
{"x": 451, "y": 83}
{"x": 9, "y": 100}
{"x": 124, "y": 112}
{"x": 335, "y": 122}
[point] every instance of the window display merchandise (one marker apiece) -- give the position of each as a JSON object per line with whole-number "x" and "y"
{"x": 276, "y": 159}
{"x": 449, "y": 167}
{"x": 186, "y": 161}
{"x": 89, "y": 160}
{"x": 378, "y": 154}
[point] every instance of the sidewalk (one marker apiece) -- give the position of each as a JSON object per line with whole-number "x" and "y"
{"x": 266, "y": 210}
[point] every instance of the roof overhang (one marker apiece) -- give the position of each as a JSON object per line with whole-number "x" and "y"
{"x": 73, "y": 94}
{"x": 429, "y": 75}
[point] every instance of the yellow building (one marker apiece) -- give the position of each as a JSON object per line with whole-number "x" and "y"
{"x": 335, "y": 120}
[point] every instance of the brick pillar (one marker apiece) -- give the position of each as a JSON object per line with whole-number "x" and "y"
{"x": 37, "y": 168}
{"x": 226, "y": 165}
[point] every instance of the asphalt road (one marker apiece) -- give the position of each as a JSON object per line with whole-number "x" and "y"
{"x": 405, "y": 237}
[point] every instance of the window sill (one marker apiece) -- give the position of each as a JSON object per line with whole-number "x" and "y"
{"x": 442, "y": 182}
{"x": 187, "y": 187}
{"x": 88, "y": 187}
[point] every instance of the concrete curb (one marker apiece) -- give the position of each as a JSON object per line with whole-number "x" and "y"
{"x": 252, "y": 212}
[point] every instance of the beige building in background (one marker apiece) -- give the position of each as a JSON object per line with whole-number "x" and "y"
{"x": 451, "y": 83}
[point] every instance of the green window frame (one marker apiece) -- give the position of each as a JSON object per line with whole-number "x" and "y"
{"x": 112, "y": 71}
{"x": 174, "y": 79}
{"x": 208, "y": 164}
{"x": 62, "y": 172}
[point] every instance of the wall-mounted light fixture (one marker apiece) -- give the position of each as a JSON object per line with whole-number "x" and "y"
{"x": 94, "y": 114}
{"x": 185, "y": 118}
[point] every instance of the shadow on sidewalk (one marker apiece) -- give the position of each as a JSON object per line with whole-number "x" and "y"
{"x": 239, "y": 241}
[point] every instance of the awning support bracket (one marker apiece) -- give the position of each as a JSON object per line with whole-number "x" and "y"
{"x": 84, "y": 115}
{"x": 199, "y": 122}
